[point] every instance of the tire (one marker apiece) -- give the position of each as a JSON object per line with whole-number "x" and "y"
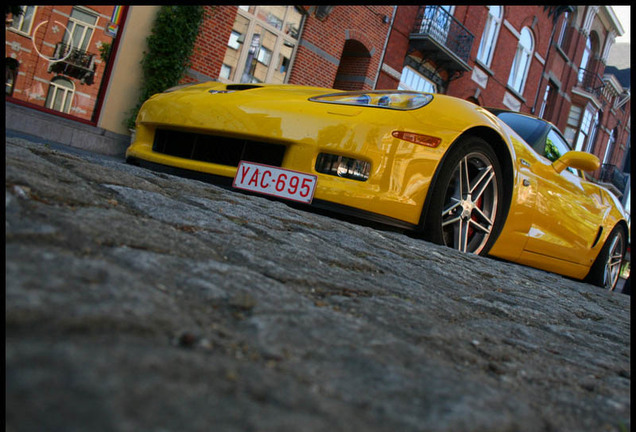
{"x": 465, "y": 208}
{"x": 607, "y": 266}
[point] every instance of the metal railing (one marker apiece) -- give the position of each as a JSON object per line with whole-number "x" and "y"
{"x": 76, "y": 57}
{"x": 73, "y": 62}
{"x": 611, "y": 174}
{"x": 590, "y": 81}
{"x": 438, "y": 24}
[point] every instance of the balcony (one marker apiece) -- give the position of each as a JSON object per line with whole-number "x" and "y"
{"x": 590, "y": 82}
{"x": 442, "y": 39}
{"x": 613, "y": 178}
{"x": 73, "y": 62}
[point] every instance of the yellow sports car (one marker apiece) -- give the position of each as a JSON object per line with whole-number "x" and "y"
{"x": 478, "y": 180}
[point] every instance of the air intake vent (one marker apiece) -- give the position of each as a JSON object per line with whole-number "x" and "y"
{"x": 216, "y": 149}
{"x": 239, "y": 87}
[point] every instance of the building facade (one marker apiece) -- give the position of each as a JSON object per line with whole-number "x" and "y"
{"x": 326, "y": 46}
{"x": 543, "y": 60}
{"x": 56, "y": 56}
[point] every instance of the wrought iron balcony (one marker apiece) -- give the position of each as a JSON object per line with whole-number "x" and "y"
{"x": 73, "y": 62}
{"x": 590, "y": 82}
{"x": 442, "y": 38}
{"x": 612, "y": 175}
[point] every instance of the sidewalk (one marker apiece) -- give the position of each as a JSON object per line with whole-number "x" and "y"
{"x": 38, "y": 126}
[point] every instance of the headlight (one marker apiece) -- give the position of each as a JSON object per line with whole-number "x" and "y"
{"x": 400, "y": 100}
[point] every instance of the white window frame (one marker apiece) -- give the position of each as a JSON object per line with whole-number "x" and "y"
{"x": 587, "y": 53}
{"x": 490, "y": 35}
{"x": 563, "y": 30}
{"x": 264, "y": 55}
{"x": 67, "y": 92}
{"x": 234, "y": 40}
{"x": 412, "y": 80}
{"x": 18, "y": 21}
{"x": 608, "y": 149}
{"x": 282, "y": 38}
{"x": 592, "y": 134}
{"x": 73, "y": 23}
{"x": 584, "y": 131}
{"x": 521, "y": 63}
{"x": 226, "y": 71}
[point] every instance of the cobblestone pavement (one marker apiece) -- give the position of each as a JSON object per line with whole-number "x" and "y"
{"x": 139, "y": 301}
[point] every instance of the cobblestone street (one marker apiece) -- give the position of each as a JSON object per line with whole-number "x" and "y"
{"x": 140, "y": 301}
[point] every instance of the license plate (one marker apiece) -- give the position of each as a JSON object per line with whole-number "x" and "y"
{"x": 278, "y": 182}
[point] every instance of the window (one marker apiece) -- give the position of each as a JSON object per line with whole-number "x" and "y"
{"x": 264, "y": 56}
{"x": 262, "y": 44}
{"x": 411, "y": 80}
{"x": 234, "y": 42}
{"x": 584, "y": 131}
{"x": 528, "y": 128}
{"x": 521, "y": 62}
{"x": 81, "y": 26}
{"x": 555, "y": 147}
{"x": 11, "y": 74}
{"x": 284, "y": 63}
{"x": 549, "y": 100}
{"x": 609, "y": 147}
{"x": 565, "y": 32}
{"x": 489, "y": 37}
{"x": 585, "y": 59}
{"x": 60, "y": 95}
{"x": 573, "y": 123}
{"x": 225, "y": 71}
{"x": 593, "y": 131}
{"x": 24, "y": 22}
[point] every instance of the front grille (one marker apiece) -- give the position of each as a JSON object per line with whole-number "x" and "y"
{"x": 216, "y": 149}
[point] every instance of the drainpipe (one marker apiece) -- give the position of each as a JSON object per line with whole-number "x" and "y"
{"x": 386, "y": 42}
{"x": 545, "y": 65}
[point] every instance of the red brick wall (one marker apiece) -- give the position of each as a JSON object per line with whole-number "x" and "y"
{"x": 322, "y": 43}
{"x": 211, "y": 43}
{"x": 540, "y": 25}
{"x": 398, "y": 45}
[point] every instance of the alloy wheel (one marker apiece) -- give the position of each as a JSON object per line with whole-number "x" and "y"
{"x": 613, "y": 263}
{"x": 470, "y": 205}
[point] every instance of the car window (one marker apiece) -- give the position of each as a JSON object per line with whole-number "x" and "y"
{"x": 555, "y": 147}
{"x": 530, "y": 129}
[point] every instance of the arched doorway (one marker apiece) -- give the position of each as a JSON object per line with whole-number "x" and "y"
{"x": 354, "y": 64}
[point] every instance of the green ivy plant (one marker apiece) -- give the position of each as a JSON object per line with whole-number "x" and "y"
{"x": 170, "y": 46}
{"x": 104, "y": 51}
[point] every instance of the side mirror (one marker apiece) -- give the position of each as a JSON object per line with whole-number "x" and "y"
{"x": 577, "y": 160}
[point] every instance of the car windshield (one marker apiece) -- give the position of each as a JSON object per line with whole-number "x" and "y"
{"x": 530, "y": 129}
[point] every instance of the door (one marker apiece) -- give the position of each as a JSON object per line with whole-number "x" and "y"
{"x": 568, "y": 209}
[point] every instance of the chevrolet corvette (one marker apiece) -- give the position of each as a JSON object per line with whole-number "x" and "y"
{"x": 482, "y": 181}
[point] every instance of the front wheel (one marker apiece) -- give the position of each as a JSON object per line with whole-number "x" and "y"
{"x": 607, "y": 267}
{"x": 465, "y": 209}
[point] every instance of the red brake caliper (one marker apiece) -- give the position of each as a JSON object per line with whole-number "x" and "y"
{"x": 473, "y": 217}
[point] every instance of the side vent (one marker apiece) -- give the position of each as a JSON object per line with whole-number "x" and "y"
{"x": 598, "y": 237}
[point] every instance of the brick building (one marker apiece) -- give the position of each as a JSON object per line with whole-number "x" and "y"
{"x": 53, "y": 56}
{"x": 325, "y": 46}
{"x": 545, "y": 60}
